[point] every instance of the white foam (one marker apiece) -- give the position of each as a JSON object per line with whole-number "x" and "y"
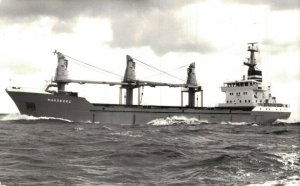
{"x": 290, "y": 120}
{"x": 290, "y": 181}
{"x": 234, "y": 123}
{"x": 289, "y": 160}
{"x": 26, "y": 117}
{"x": 127, "y": 133}
{"x": 175, "y": 120}
{"x": 294, "y": 146}
{"x": 90, "y": 122}
{"x": 79, "y": 128}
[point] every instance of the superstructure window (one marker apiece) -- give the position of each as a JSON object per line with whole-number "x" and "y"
{"x": 30, "y": 106}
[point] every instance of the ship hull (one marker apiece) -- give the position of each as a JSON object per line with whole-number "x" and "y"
{"x": 80, "y": 110}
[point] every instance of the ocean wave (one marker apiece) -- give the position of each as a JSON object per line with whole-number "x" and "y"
{"x": 290, "y": 181}
{"x": 238, "y": 123}
{"x": 175, "y": 120}
{"x": 16, "y": 117}
{"x": 287, "y": 121}
{"x": 78, "y": 128}
{"x": 289, "y": 160}
{"x": 127, "y": 133}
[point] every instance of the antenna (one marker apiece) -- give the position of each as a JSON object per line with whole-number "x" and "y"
{"x": 253, "y": 43}
{"x": 253, "y": 73}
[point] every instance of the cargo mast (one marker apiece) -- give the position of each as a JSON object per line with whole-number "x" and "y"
{"x": 192, "y": 85}
{"x": 129, "y": 77}
{"x": 129, "y": 82}
{"x": 61, "y": 74}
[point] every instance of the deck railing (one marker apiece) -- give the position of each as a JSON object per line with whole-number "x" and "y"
{"x": 274, "y": 105}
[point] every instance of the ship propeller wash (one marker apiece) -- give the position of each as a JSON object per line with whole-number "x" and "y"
{"x": 247, "y": 100}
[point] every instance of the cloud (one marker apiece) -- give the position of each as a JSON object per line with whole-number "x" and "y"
{"x": 65, "y": 9}
{"x": 19, "y": 68}
{"x": 163, "y": 32}
{"x": 62, "y": 27}
{"x": 134, "y": 23}
{"x": 274, "y": 4}
{"x": 274, "y": 47}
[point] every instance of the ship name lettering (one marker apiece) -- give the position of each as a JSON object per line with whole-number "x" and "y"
{"x": 59, "y": 100}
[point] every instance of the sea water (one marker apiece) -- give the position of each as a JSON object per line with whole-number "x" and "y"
{"x": 170, "y": 151}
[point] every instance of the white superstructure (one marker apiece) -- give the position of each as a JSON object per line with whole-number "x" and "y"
{"x": 246, "y": 93}
{"x": 250, "y": 91}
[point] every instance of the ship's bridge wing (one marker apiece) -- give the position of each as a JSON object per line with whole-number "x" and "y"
{"x": 241, "y": 83}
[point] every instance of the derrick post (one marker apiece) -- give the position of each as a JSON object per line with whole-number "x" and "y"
{"x": 61, "y": 75}
{"x": 120, "y": 96}
{"x": 182, "y": 98}
{"x": 61, "y": 86}
{"x": 192, "y": 85}
{"x": 191, "y": 93}
{"x": 129, "y": 78}
{"x": 129, "y": 95}
{"x": 201, "y": 98}
{"x": 139, "y": 95}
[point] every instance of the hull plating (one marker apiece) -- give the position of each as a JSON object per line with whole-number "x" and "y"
{"x": 79, "y": 109}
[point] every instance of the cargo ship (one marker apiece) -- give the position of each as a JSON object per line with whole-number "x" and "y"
{"x": 247, "y": 100}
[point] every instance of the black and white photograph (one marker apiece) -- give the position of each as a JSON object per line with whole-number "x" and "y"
{"x": 150, "y": 92}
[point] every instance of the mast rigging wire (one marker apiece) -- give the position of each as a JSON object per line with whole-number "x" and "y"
{"x": 158, "y": 69}
{"x": 93, "y": 69}
{"x": 179, "y": 68}
{"x": 109, "y": 72}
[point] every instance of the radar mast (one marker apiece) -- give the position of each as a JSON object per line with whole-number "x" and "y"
{"x": 253, "y": 72}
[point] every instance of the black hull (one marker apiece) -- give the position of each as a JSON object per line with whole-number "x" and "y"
{"x": 79, "y": 109}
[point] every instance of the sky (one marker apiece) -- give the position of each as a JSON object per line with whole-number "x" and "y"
{"x": 167, "y": 34}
